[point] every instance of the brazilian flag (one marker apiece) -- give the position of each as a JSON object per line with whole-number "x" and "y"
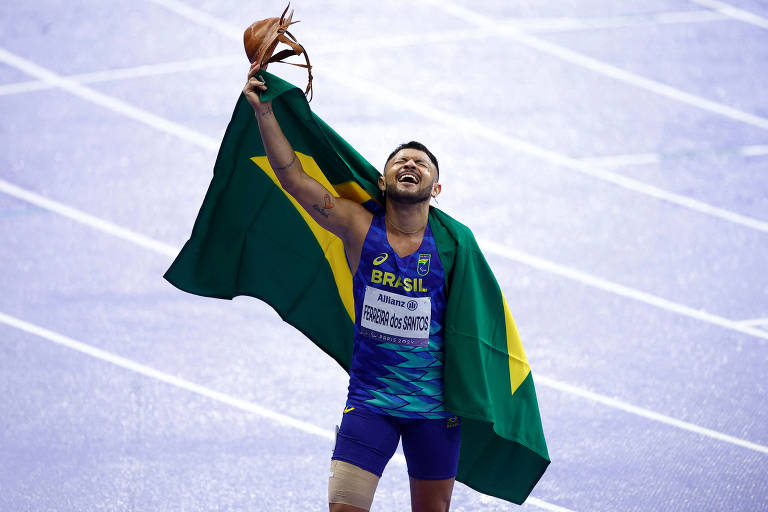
{"x": 248, "y": 227}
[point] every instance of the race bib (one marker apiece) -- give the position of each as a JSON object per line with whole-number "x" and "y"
{"x": 393, "y": 318}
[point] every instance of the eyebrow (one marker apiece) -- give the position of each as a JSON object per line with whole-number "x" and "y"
{"x": 417, "y": 160}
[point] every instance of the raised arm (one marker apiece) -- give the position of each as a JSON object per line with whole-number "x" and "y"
{"x": 346, "y": 219}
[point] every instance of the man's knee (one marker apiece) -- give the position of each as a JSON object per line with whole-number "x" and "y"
{"x": 350, "y": 488}
{"x": 432, "y": 505}
{"x": 431, "y": 495}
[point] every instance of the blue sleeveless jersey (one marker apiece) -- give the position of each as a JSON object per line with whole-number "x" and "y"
{"x": 397, "y": 363}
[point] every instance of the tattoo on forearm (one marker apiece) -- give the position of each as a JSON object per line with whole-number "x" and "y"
{"x": 265, "y": 112}
{"x": 285, "y": 166}
{"x": 328, "y": 203}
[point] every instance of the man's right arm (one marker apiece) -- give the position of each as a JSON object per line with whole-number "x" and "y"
{"x": 346, "y": 219}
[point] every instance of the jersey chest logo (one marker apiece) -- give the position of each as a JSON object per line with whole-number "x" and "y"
{"x": 422, "y": 268}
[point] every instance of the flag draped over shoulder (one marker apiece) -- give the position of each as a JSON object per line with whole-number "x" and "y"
{"x": 252, "y": 238}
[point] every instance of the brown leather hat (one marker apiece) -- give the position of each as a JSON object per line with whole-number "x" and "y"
{"x": 262, "y": 37}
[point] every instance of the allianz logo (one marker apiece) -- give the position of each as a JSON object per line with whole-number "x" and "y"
{"x": 411, "y": 305}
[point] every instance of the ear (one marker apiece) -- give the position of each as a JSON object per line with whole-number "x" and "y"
{"x": 436, "y": 188}
{"x": 382, "y": 186}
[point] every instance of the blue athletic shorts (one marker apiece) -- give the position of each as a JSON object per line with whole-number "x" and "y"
{"x": 368, "y": 440}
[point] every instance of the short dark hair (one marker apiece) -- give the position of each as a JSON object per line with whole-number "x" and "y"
{"x": 414, "y": 145}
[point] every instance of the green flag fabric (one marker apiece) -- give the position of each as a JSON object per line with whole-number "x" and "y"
{"x": 252, "y": 238}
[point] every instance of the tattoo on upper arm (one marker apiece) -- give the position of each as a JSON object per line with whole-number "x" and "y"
{"x": 328, "y": 203}
{"x": 285, "y": 166}
{"x": 321, "y": 211}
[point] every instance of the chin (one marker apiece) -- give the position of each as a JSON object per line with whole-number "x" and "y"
{"x": 408, "y": 197}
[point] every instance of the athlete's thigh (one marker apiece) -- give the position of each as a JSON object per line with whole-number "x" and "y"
{"x": 431, "y": 448}
{"x": 350, "y": 488}
{"x": 364, "y": 444}
{"x": 366, "y": 439}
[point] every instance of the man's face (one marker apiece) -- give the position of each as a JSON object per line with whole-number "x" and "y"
{"x": 409, "y": 177}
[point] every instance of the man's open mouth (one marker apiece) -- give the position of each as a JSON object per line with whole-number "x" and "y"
{"x": 408, "y": 177}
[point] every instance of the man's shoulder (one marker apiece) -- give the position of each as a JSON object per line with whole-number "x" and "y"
{"x": 457, "y": 230}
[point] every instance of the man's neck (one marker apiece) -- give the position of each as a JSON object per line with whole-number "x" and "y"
{"x": 406, "y": 224}
{"x": 406, "y": 219}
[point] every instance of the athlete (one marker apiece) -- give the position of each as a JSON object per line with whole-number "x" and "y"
{"x": 396, "y": 375}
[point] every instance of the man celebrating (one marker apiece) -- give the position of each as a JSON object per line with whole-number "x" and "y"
{"x": 396, "y": 375}
{"x": 401, "y": 297}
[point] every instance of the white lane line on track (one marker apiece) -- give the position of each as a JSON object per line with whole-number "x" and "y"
{"x": 615, "y": 161}
{"x": 533, "y": 25}
{"x": 148, "y": 371}
{"x": 178, "y": 382}
{"x": 89, "y": 220}
{"x": 536, "y": 25}
{"x": 400, "y": 101}
{"x": 651, "y": 415}
{"x": 24, "y": 87}
{"x": 568, "y": 24}
{"x": 525, "y": 147}
{"x": 125, "y": 73}
{"x": 489, "y": 246}
{"x": 108, "y": 102}
{"x": 492, "y": 248}
{"x": 734, "y": 12}
{"x": 310, "y": 428}
{"x": 387, "y": 95}
{"x": 543, "y": 25}
{"x": 755, "y": 322}
{"x": 487, "y": 23}
{"x": 617, "y": 289}
{"x": 509, "y": 30}
{"x": 756, "y": 150}
{"x": 203, "y": 18}
{"x": 180, "y": 66}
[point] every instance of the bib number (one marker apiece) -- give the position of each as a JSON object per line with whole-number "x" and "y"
{"x": 393, "y": 318}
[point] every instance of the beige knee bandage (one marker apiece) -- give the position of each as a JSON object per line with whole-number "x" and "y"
{"x": 351, "y": 485}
